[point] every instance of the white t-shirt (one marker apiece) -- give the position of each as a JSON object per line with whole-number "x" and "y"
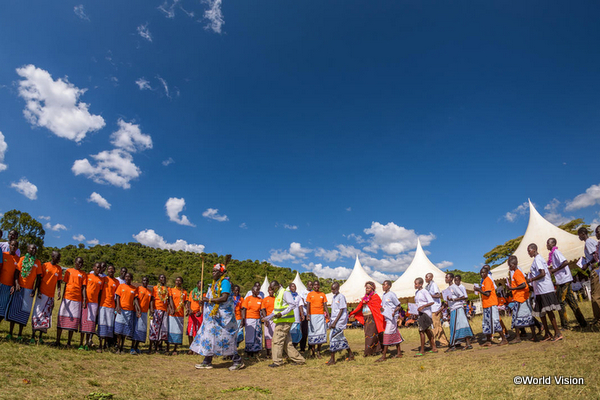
{"x": 423, "y": 297}
{"x": 299, "y": 303}
{"x": 304, "y": 294}
{"x": 591, "y": 245}
{"x": 121, "y": 280}
{"x": 389, "y": 302}
{"x": 260, "y": 294}
{"x": 575, "y": 286}
{"x": 564, "y": 275}
{"x": 456, "y": 294}
{"x": 338, "y": 304}
{"x": 544, "y": 285}
{"x": 432, "y": 288}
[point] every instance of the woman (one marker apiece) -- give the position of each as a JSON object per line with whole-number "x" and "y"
{"x": 93, "y": 289}
{"x": 237, "y": 301}
{"x": 178, "y": 306}
{"x": 195, "y": 314}
{"x": 368, "y": 313}
{"x": 390, "y": 308}
{"x": 69, "y": 313}
{"x": 251, "y": 320}
{"x": 267, "y": 307}
{"x": 106, "y": 315}
{"x": 159, "y": 327}
{"x": 141, "y": 323}
{"x": 128, "y": 309}
{"x": 316, "y": 315}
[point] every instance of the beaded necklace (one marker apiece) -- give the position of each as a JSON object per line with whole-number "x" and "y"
{"x": 28, "y": 263}
{"x": 216, "y": 293}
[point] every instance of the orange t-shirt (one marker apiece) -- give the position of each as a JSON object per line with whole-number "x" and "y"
{"x": 195, "y": 304}
{"x": 51, "y": 274}
{"x": 268, "y": 304}
{"x": 74, "y": 281}
{"x": 7, "y": 272}
{"x": 522, "y": 294}
{"x": 492, "y": 299}
{"x": 127, "y": 294}
{"x": 158, "y": 303}
{"x": 252, "y": 305}
{"x": 144, "y": 297}
{"x": 238, "y": 309}
{"x": 29, "y": 282}
{"x": 93, "y": 286}
{"x": 317, "y": 301}
{"x": 179, "y": 299}
{"x": 107, "y": 299}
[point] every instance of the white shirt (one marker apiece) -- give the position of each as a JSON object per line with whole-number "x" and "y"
{"x": 432, "y": 288}
{"x": 544, "y": 285}
{"x": 303, "y": 294}
{"x": 299, "y": 303}
{"x": 423, "y": 297}
{"x": 339, "y": 305}
{"x": 121, "y": 280}
{"x": 260, "y": 294}
{"x": 389, "y": 302}
{"x": 288, "y": 303}
{"x": 456, "y": 294}
{"x": 590, "y": 247}
{"x": 564, "y": 275}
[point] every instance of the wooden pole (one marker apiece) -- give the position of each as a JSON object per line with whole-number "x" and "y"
{"x": 202, "y": 279}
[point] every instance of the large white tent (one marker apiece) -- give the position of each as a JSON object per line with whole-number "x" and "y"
{"x": 299, "y": 285}
{"x": 354, "y": 287}
{"x": 265, "y": 287}
{"x": 539, "y": 230}
{"x": 420, "y": 266}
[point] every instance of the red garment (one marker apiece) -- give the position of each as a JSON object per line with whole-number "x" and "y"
{"x": 375, "y": 307}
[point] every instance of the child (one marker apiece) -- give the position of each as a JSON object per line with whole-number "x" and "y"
{"x": 339, "y": 320}
{"x": 390, "y": 306}
{"x": 127, "y": 304}
{"x": 424, "y": 302}
{"x": 520, "y": 307}
{"x": 489, "y": 302}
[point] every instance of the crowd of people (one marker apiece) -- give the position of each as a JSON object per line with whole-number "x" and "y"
{"x": 96, "y": 303}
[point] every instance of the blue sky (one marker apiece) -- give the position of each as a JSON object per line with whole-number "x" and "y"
{"x": 302, "y": 133}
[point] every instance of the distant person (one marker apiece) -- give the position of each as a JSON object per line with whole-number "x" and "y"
{"x": 304, "y": 322}
{"x": 459, "y": 324}
{"x": 121, "y": 277}
{"x": 5, "y": 246}
{"x": 546, "y": 301}
{"x": 576, "y": 287}
{"x": 159, "y": 327}
{"x": 390, "y": 307}
{"x": 268, "y": 304}
{"x": 237, "y": 301}
{"x": 9, "y": 277}
{"x": 260, "y": 293}
{"x": 591, "y": 251}
{"x": 141, "y": 323}
{"x": 128, "y": 309}
{"x": 489, "y": 301}
{"x": 317, "y": 314}
{"x": 92, "y": 289}
{"x": 521, "y": 309}
{"x": 195, "y": 313}
{"x": 41, "y": 319}
{"x": 178, "y": 306}
{"x": 438, "y": 331}
{"x": 69, "y": 313}
{"x": 337, "y": 325}
{"x": 251, "y": 321}
{"x": 424, "y": 302}
{"x": 559, "y": 267}
{"x": 19, "y": 307}
{"x": 368, "y": 313}
{"x": 296, "y": 331}
{"x": 106, "y": 313}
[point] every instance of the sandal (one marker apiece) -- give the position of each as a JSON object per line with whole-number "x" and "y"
{"x": 547, "y": 338}
{"x": 419, "y": 355}
{"x": 557, "y": 338}
{"x": 350, "y": 358}
{"x": 433, "y": 351}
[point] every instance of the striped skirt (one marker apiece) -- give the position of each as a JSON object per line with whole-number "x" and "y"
{"x": 106, "y": 322}
{"x": 69, "y": 315}
{"x": 175, "y": 330}
{"x": 19, "y": 306}
{"x": 41, "y": 318}
{"x": 125, "y": 323}
{"x": 89, "y": 315}
{"x": 4, "y": 298}
{"x": 159, "y": 327}
{"x": 141, "y": 328}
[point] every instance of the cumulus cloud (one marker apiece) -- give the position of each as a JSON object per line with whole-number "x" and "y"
{"x": 98, "y": 199}
{"x": 44, "y": 217}
{"x": 511, "y": 216}
{"x": 327, "y": 255}
{"x": 79, "y": 11}
{"x": 213, "y": 213}
{"x": 130, "y": 138}
{"x": 55, "y": 105}
{"x": 26, "y": 188}
{"x": 380, "y": 276}
{"x": 174, "y": 206}
{"x": 288, "y": 226}
{"x": 294, "y": 254}
{"x": 214, "y": 15}
{"x": 93, "y": 242}
{"x": 144, "y": 32}
{"x": 393, "y": 239}
{"x": 328, "y": 272}
{"x": 349, "y": 209}
{"x": 444, "y": 264}
{"x": 143, "y": 84}
{"x": 243, "y": 225}
{"x": 358, "y": 238}
{"x": 79, "y": 238}
{"x": 3, "y": 148}
{"x": 152, "y": 239}
{"x": 56, "y": 227}
{"x": 168, "y": 162}
{"x": 589, "y": 198}
{"x": 114, "y": 167}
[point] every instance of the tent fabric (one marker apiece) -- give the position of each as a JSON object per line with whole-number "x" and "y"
{"x": 299, "y": 285}
{"x": 265, "y": 287}
{"x": 354, "y": 287}
{"x": 539, "y": 230}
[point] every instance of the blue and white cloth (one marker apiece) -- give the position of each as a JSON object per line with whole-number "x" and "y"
{"x": 459, "y": 326}
{"x": 125, "y": 323}
{"x": 19, "y": 306}
{"x": 317, "y": 330}
{"x": 491, "y": 320}
{"x": 521, "y": 314}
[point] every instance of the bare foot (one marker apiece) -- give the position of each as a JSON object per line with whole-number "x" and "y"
{"x": 330, "y": 362}
{"x": 503, "y": 343}
{"x": 381, "y": 359}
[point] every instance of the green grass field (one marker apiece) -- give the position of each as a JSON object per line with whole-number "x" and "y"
{"x": 43, "y": 372}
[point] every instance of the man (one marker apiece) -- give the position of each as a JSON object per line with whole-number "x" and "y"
{"x": 459, "y": 323}
{"x": 491, "y": 317}
{"x": 5, "y": 246}
{"x": 304, "y": 322}
{"x": 283, "y": 316}
{"x": 559, "y": 267}
{"x": 121, "y": 277}
{"x": 436, "y": 311}
{"x": 9, "y": 277}
{"x": 591, "y": 256}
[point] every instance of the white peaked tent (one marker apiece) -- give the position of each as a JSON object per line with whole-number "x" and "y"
{"x": 539, "y": 231}
{"x": 354, "y": 287}
{"x": 265, "y": 287}
{"x": 299, "y": 285}
{"x": 418, "y": 268}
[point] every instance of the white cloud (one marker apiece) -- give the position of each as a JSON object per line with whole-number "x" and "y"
{"x": 380, "y": 276}
{"x": 444, "y": 264}
{"x": 294, "y": 254}
{"x": 348, "y": 251}
{"x": 114, "y": 167}
{"x": 98, "y": 199}
{"x": 589, "y": 198}
{"x": 168, "y": 162}
{"x": 328, "y": 272}
{"x": 349, "y": 209}
{"x": 595, "y": 222}
{"x": 174, "y": 206}
{"x": 557, "y": 218}
{"x": 393, "y": 239}
{"x": 44, "y": 217}
{"x": 55, "y": 105}
{"x": 511, "y": 216}
{"x": 553, "y": 205}
{"x": 358, "y": 238}
{"x": 3, "y": 148}
{"x": 56, "y": 227}
{"x": 144, "y": 32}
{"x": 79, "y": 11}
{"x": 93, "y": 242}
{"x": 152, "y": 239}
{"x": 214, "y": 15}
{"x": 327, "y": 255}
{"x": 243, "y": 225}
{"x": 213, "y": 213}
{"x": 79, "y": 238}
{"x": 130, "y": 138}
{"x": 396, "y": 264}
{"x": 292, "y": 227}
{"x": 26, "y": 188}
{"x": 165, "y": 85}
{"x": 168, "y": 10}
{"x": 143, "y": 84}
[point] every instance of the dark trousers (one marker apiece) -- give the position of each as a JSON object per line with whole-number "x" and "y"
{"x": 566, "y": 297}
{"x": 304, "y": 329}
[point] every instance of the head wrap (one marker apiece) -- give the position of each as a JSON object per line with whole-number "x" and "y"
{"x": 221, "y": 267}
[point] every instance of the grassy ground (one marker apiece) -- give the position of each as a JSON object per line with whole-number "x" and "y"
{"x": 39, "y": 371}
